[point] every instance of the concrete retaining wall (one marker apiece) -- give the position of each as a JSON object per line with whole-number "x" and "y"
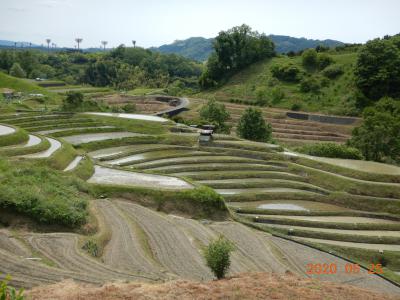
{"x": 322, "y": 118}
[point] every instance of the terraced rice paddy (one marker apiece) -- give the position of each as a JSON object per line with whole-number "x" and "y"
{"x": 258, "y": 182}
{"x": 119, "y": 177}
{"x": 95, "y": 137}
{"x": 54, "y": 146}
{"x": 4, "y": 130}
{"x": 359, "y": 165}
{"x": 130, "y": 116}
{"x": 286, "y": 130}
{"x": 288, "y": 205}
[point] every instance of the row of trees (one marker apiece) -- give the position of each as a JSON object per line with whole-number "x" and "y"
{"x": 122, "y": 68}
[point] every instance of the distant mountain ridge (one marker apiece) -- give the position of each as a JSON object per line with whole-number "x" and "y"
{"x": 200, "y": 48}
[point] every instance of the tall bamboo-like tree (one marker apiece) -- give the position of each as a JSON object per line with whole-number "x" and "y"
{"x": 78, "y": 41}
{"x": 48, "y": 41}
{"x": 134, "y": 44}
{"x": 104, "y": 43}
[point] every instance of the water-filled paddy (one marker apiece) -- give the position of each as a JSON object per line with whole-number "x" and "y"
{"x": 336, "y": 219}
{"x": 54, "y": 146}
{"x": 74, "y": 128}
{"x": 130, "y": 116}
{"x": 4, "y": 130}
{"x": 305, "y": 205}
{"x": 118, "y": 177}
{"x": 158, "y": 154}
{"x": 259, "y": 190}
{"x": 94, "y": 137}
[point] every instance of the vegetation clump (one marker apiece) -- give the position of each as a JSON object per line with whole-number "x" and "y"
{"x": 9, "y": 293}
{"x": 215, "y": 113}
{"x": 377, "y": 70}
{"x": 331, "y": 150}
{"x": 252, "y": 126}
{"x": 217, "y": 256}
{"x": 286, "y": 72}
{"x": 378, "y": 137}
{"x": 42, "y": 193}
{"x": 235, "y": 49}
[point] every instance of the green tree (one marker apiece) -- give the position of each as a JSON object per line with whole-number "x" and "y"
{"x": 324, "y": 60}
{"x": 310, "y": 59}
{"x": 215, "y": 113}
{"x": 17, "y": 71}
{"x": 378, "y": 137}
{"x": 287, "y": 72}
{"x": 217, "y": 256}
{"x": 261, "y": 96}
{"x": 235, "y": 49}
{"x": 252, "y": 126}
{"x": 73, "y": 101}
{"x": 377, "y": 70}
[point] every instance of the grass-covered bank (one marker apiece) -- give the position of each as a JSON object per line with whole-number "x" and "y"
{"x": 19, "y": 136}
{"x": 47, "y": 196}
{"x": 201, "y": 202}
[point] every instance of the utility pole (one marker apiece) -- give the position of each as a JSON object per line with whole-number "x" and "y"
{"x": 78, "y": 41}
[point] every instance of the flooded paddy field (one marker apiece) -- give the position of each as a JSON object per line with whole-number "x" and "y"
{"x": 94, "y": 137}
{"x": 289, "y": 204}
{"x": 110, "y": 176}
{"x": 4, "y": 130}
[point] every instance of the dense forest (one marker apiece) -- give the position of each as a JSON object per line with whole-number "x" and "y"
{"x": 122, "y": 68}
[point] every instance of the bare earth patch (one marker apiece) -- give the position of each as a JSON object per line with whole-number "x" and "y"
{"x": 242, "y": 286}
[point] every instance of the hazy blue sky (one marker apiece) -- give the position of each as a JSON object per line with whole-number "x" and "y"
{"x": 156, "y": 22}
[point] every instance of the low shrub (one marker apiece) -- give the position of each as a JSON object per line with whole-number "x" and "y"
{"x": 8, "y": 292}
{"x": 310, "y": 85}
{"x": 331, "y": 150}
{"x": 333, "y": 71}
{"x": 288, "y": 72}
{"x": 217, "y": 256}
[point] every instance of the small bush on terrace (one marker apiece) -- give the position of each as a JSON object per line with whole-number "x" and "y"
{"x": 331, "y": 150}
{"x": 288, "y": 72}
{"x": 217, "y": 256}
{"x": 252, "y": 126}
{"x": 9, "y": 293}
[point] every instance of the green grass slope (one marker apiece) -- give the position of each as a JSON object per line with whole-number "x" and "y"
{"x": 20, "y": 85}
{"x": 337, "y": 97}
